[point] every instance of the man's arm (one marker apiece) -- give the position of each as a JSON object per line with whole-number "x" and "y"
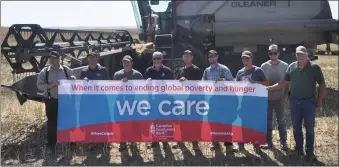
{"x": 41, "y": 83}
{"x": 263, "y": 78}
{"x": 321, "y": 81}
{"x": 106, "y": 76}
{"x": 115, "y": 76}
{"x": 228, "y": 75}
{"x": 146, "y": 75}
{"x": 82, "y": 76}
{"x": 204, "y": 76}
{"x": 140, "y": 76}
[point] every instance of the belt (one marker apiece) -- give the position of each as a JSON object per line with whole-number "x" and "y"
{"x": 304, "y": 98}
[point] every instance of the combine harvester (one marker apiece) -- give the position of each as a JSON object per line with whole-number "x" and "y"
{"x": 226, "y": 26}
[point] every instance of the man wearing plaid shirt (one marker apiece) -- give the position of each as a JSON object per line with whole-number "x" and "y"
{"x": 217, "y": 72}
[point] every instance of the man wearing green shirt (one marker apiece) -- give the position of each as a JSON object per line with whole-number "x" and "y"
{"x": 302, "y": 77}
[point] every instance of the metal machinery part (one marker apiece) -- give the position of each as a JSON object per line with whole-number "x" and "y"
{"x": 26, "y": 47}
{"x": 231, "y": 27}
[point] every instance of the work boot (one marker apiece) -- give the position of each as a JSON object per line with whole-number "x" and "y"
{"x": 310, "y": 157}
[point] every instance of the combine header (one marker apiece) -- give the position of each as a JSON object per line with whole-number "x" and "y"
{"x": 26, "y": 47}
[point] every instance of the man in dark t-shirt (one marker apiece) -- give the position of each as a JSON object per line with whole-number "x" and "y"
{"x": 252, "y": 74}
{"x": 189, "y": 71}
{"x": 158, "y": 71}
{"x": 94, "y": 71}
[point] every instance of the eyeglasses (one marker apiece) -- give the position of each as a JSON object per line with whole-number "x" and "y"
{"x": 157, "y": 58}
{"x": 273, "y": 53}
{"x": 212, "y": 56}
{"x": 245, "y": 58}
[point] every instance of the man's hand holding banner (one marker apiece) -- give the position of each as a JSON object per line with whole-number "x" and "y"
{"x": 151, "y": 111}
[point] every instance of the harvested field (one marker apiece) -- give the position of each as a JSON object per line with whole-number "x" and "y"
{"x": 23, "y": 138}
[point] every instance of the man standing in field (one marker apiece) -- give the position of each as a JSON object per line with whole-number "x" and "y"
{"x": 302, "y": 76}
{"x": 189, "y": 72}
{"x": 94, "y": 71}
{"x": 158, "y": 72}
{"x": 252, "y": 74}
{"x": 48, "y": 81}
{"x": 125, "y": 74}
{"x": 217, "y": 72}
{"x": 275, "y": 70}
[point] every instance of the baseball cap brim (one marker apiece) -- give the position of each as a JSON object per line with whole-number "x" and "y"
{"x": 301, "y": 52}
{"x": 126, "y": 59}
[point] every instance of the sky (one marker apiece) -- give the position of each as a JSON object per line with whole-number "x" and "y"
{"x": 77, "y": 13}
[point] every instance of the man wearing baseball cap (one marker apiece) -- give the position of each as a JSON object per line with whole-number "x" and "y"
{"x": 302, "y": 77}
{"x": 125, "y": 74}
{"x": 252, "y": 74}
{"x": 47, "y": 82}
{"x": 94, "y": 71}
{"x": 217, "y": 72}
{"x": 275, "y": 70}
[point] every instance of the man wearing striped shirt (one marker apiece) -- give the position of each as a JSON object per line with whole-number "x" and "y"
{"x": 217, "y": 72}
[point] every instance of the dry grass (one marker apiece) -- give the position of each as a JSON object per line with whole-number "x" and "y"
{"x": 23, "y": 138}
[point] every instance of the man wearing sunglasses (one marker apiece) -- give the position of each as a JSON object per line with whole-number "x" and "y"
{"x": 217, "y": 72}
{"x": 275, "y": 70}
{"x": 252, "y": 74}
{"x": 158, "y": 72}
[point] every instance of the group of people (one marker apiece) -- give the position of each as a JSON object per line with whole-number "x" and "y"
{"x": 296, "y": 82}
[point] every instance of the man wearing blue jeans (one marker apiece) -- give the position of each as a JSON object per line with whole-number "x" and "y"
{"x": 302, "y": 77}
{"x": 275, "y": 70}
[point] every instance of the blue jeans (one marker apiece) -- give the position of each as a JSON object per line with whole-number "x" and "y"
{"x": 277, "y": 107}
{"x": 303, "y": 110}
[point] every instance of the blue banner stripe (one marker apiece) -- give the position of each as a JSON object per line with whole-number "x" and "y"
{"x": 82, "y": 110}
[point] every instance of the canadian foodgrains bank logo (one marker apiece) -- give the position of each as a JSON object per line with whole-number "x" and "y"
{"x": 162, "y": 131}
